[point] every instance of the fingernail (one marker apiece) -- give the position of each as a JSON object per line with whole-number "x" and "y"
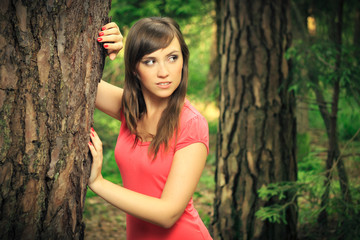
{"x": 103, "y": 28}
{"x": 93, "y": 134}
{"x": 105, "y": 46}
{"x": 90, "y": 143}
{"x": 92, "y": 129}
{"x": 99, "y": 39}
{"x": 101, "y": 34}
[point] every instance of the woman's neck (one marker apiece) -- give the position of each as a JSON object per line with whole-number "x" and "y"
{"x": 155, "y": 106}
{"x": 147, "y": 125}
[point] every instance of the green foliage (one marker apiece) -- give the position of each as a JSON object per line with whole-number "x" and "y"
{"x": 307, "y": 192}
{"x": 274, "y": 214}
{"x": 114, "y": 70}
{"x": 107, "y": 128}
{"x": 315, "y": 119}
{"x": 348, "y": 119}
{"x": 320, "y": 60}
{"x": 126, "y": 12}
{"x": 109, "y": 171}
{"x": 199, "y": 63}
{"x": 279, "y": 189}
{"x": 213, "y": 127}
{"x": 303, "y": 145}
{"x": 207, "y": 179}
{"x": 285, "y": 194}
{"x": 205, "y": 217}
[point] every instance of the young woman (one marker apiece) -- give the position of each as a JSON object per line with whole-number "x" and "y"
{"x": 163, "y": 141}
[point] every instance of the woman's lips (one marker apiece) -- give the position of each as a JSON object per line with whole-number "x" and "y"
{"x": 163, "y": 84}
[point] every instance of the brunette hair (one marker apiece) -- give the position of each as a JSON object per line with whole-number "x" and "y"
{"x": 146, "y": 36}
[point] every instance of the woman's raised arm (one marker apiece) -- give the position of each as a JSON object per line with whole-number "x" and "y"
{"x": 108, "y": 97}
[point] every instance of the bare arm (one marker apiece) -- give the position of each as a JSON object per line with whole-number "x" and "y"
{"x": 108, "y": 97}
{"x": 184, "y": 175}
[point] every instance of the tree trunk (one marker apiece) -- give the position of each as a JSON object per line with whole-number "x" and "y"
{"x": 213, "y": 75}
{"x": 50, "y": 67}
{"x": 257, "y": 129}
{"x": 357, "y": 28}
{"x": 330, "y": 120}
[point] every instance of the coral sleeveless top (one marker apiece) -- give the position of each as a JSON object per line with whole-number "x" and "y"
{"x": 148, "y": 176}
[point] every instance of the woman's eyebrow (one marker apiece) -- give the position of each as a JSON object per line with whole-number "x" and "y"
{"x": 149, "y": 56}
{"x": 173, "y": 52}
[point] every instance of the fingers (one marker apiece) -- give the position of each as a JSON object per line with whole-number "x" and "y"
{"x": 111, "y": 31}
{"x": 115, "y": 41}
{"x": 111, "y": 38}
{"x": 112, "y": 55}
{"x": 109, "y": 26}
{"x": 95, "y": 145}
{"x": 92, "y": 149}
{"x": 111, "y": 35}
{"x": 113, "y": 46}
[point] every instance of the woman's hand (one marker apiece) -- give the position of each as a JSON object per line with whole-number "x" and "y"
{"x": 95, "y": 147}
{"x": 112, "y": 39}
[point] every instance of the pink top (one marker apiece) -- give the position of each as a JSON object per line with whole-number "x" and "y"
{"x": 142, "y": 174}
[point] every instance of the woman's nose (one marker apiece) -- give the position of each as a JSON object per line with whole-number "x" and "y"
{"x": 162, "y": 71}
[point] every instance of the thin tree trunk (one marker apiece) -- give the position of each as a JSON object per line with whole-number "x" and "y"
{"x": 213, "y": 75}
{"x": 330, "y": 120}
{"x": 50, "y": 67}
{"x": 257, "y": 130}
{"x": 357, "y": 47}
{"x": 357, "y": 28}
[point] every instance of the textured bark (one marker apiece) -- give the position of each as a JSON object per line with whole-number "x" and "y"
{"x": 50, "y": 64}
{"x": 257, "y": 128}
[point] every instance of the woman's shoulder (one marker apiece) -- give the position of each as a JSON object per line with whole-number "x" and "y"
{"x": 190, "y": 113}
{"x": 193, "y": 127}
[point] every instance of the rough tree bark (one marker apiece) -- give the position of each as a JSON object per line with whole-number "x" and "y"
{"x": 257, "y": 129}
{"x": 50, "y": 64}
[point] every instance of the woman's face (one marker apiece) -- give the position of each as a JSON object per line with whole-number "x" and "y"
{"x": 160, "y": 72}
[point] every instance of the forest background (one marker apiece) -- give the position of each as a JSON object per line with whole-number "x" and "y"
{"x": 314, "y": 66}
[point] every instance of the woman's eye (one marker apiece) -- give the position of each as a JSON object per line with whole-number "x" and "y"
{"x": 149, "y": 62}
{"x": 173, "y": 58}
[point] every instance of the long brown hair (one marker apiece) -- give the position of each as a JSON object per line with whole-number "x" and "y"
{"x": 146, "y": 36}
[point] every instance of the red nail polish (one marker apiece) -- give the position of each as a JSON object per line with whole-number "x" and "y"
{"x": 105, "y": 46}
{"x": 92, "y": 129}
{"x": 103, "y": 28}
{"x": 99, "y": 39}
{"x": 93, "y": 134}
{"x": 90, "y": 143}
{"x": 101, "y": 34}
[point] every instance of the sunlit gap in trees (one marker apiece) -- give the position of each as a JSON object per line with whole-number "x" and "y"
{"x": 311, "y": 25}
